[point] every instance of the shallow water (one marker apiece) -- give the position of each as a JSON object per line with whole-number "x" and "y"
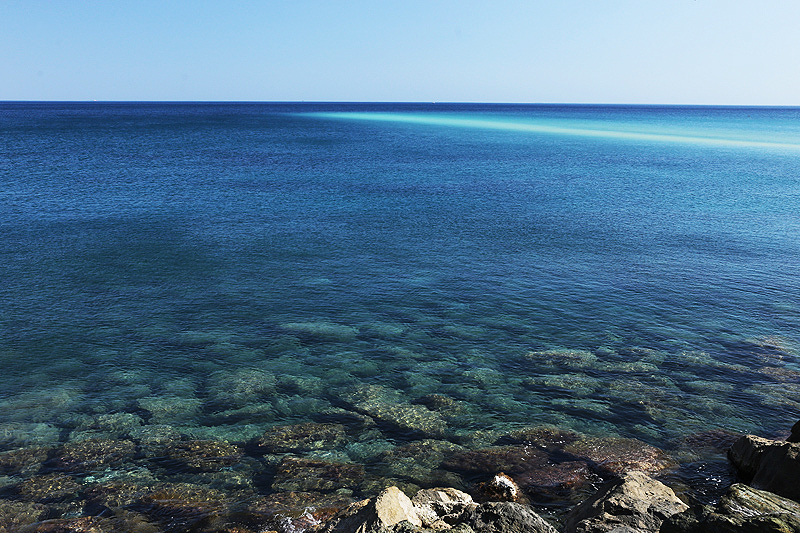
{"x": 224, "y": 268}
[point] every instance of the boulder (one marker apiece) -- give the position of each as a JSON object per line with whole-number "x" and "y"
{"x": 505, "y": 517}
{"x": 768, "y": 465}
{"x": 387, "y": 407}
{"x": 435, "y": 506}
{"x": 742, "y": 509}
{"x": 633, "y": 503}
{"x": 388, "y": 509}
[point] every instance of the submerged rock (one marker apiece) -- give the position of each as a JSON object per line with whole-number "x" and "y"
{"x": 770, "y": 465}
{"x": 184, "y": 506}
{"x": 322, "y": 331}
{"x": 511, "y": 459}
{"x": 549, "y": 438}
{"x": 562, "y": 481}
{"x": 233, "y": 389}
{"x": 633, "y": 503}
{"x": 92, "y": 454}
{"x": 195, "y": 455}
{"x": 302, "y": 475}
{"x": 616, "y": 456}
{"x": 303, "y": 437}
{"x": 291, "y": 511}
{"x": 171, "y": 410}
{"x": 387, "y": 407}
{"x": 23, "y": 460}
{"x": 742, "y": 509}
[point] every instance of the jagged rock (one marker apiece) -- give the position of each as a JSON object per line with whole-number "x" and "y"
{"x": 612, "y": 455}
{"x": 501, "y": 488}
{"x": 302, "y": 475}
{"x": 304, "y": 437}
{"x": 770, "y": 465}
{"x": 434, "y": 506}
{"x": 633, "y": 503}
{"x": 389, "y": 508}
{"x": 505, "y": 517}
{"x": 742, "y": 509}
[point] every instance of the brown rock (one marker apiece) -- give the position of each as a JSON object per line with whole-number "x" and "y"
{"x": 195, "y": 455}
{"x": 557, "y": 481}
{"x": 184, "y": 506}
{"x": 616, "y": 456}
{"x": 16, "y": 514}
{"x": 287, "y": 510}
{"x": 49, "y": 488}
{"x": 304, "y": 437}
{"x": 92, "y": 454}
{"x": 302, "y": 475}
{"x": 23, "y": 460}
{"x": 549, "y": 438}
{"x": 511, "y": 459}
{"x": 719, "y": 440}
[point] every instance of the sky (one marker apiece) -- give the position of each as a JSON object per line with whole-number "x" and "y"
{"x": 716, "y": 52}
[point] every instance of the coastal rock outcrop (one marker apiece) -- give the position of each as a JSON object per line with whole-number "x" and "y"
{"x": 769, "y": 465}
{"x": 505, "y": 517}
{"x": 742, "y": 509}
{"x": 389, "y": 508}
{"x": 633, "y": 503}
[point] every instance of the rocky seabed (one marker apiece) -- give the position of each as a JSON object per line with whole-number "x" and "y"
{"x": 315, "y": 495}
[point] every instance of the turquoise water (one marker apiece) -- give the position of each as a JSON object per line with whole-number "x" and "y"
{"x": 225, "y": 268}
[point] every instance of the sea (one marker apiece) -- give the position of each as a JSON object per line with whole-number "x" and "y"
{"x": 434, "y": 274}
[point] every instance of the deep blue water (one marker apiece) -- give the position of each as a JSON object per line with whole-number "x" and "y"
{"x": 611, "y": 269}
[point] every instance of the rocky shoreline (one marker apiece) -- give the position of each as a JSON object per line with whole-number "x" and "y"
{"x": 103, "y": 485}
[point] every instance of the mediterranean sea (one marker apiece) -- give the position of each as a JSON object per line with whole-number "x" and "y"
{"x": 412, "y": 292}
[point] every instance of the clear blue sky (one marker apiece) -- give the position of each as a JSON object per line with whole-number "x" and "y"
{"x": 589, "y": 51}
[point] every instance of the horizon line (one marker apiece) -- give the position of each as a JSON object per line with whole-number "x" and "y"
{"x": 393, "y": 102}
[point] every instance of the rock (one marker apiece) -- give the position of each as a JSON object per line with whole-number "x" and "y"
{"x": 302, "y": 475}
{"x": 107, "y": 426}
{"x": 795, "y": 436}
{"x": 512, "y": 459}
{"x": 23, "y": 460}
{"x": 505, "y": 517}
{"x": 501, "y": 488}
{"x": 49, "y": 488}
{"x": 418, "y": 462}
{"x": 717, "y": 440}
{"x": 306, "y": 437}
{"x": 769, "y": 465}
{"x": 91, "y": 454}
{"x": 613, "y": 455}
{"x": 435, "y": 505}
{"x": 13, "y": 515}
{"x": 195, "y": 455}
{"x": 389, "y": 508}
{"x": 291, "y": 511}
{"x": 183, "y": 506}
{"x": 632, "y": 503}
{"x": 322, "y": 331}
{"x": 233, "y": 389}
{"x": 742, "y": 509}
{"x": 386, "y": 406}
{"x": 549, "y": 438}
{"x": 557, "y": 481}
{"x": 171, "y": 410}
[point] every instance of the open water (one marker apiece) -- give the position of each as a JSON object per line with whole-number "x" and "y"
{"x": 224, "y": 268}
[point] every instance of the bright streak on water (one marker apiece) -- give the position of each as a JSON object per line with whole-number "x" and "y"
{"x": 530, "y": 127}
